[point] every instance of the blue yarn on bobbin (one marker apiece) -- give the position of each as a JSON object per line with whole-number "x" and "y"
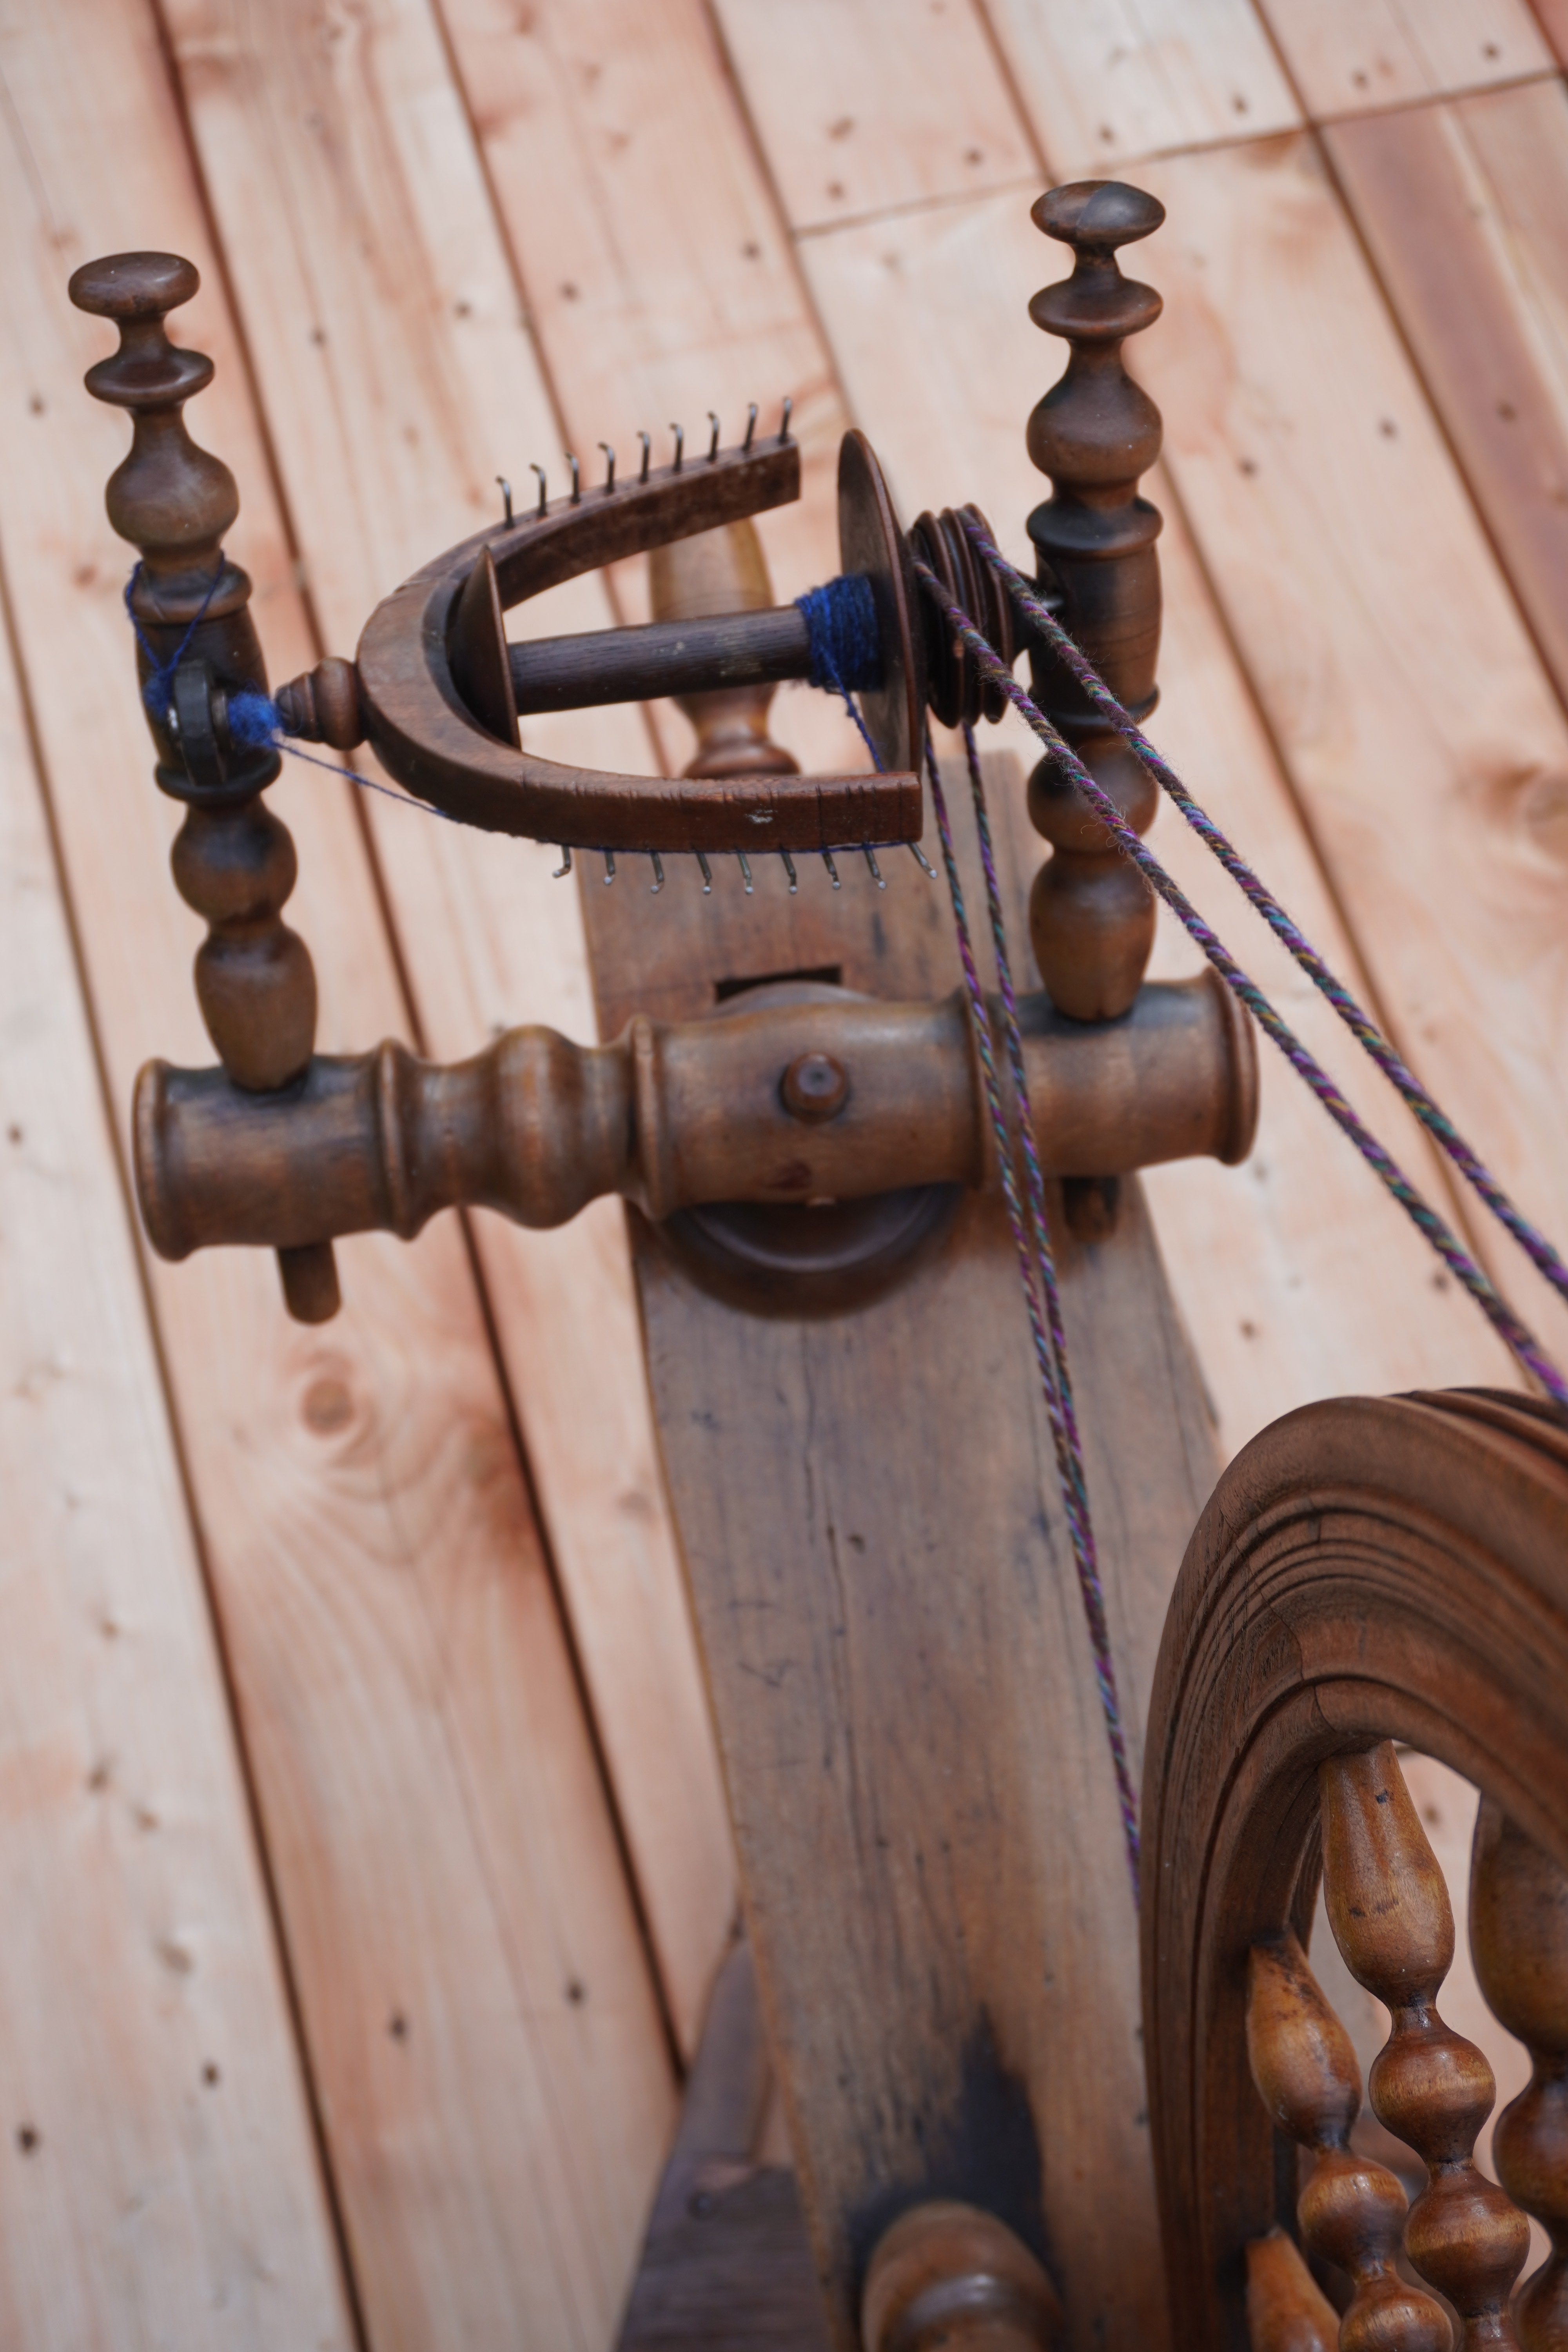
{"x": 845, "y": 641}
{"x": 254, "y": 720}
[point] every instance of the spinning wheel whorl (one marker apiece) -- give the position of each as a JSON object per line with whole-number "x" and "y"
{"x": 1095, "y": 433}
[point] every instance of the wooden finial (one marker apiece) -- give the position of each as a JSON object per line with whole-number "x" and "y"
{"x": 1091, "y": 916}
{"x": 1518, "y": 1938}
{"x": 232, "y": 861}
{"x": 1389, "y": 1909}
{"x": 1350, "y": 2211}
{"x": 721, "y": 571}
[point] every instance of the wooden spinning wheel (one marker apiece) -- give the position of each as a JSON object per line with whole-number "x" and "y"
{"x": 799, "y": 1099}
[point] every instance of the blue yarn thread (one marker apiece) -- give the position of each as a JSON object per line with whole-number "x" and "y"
{"x": 845, "y": 641}
{"x": 159, "y": 691}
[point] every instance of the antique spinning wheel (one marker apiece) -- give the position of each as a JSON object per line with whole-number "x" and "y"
{"x": 840, "y": 1151}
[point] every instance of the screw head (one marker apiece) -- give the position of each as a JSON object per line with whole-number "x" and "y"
{"x": 815, "y": 1088}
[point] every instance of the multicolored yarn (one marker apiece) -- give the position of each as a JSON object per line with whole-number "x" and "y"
{"x": 1516, "y": 1334}
{"x": 1359, "y": 1023}
{"x": 1031, "y": 1237}
{"x": 1059, "y": 1408}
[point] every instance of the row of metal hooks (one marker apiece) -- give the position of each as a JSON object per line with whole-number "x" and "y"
{"x": 705, "y": 870}
{"x": 646, "y": 443}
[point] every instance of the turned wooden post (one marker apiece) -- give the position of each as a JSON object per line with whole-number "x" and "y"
{"x": 1352, "y": 2211}
{"x": 721, "y": 571}
{"x": 1390, "y": 1913}
{"x": 1518, "y": 1938}
{"x": 947, "y": 2277}
{"x": 233, "y": 862}
{"x": 1091, "y": 916}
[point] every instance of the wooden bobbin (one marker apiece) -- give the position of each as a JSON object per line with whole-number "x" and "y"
{"x": 1091, "y": 916}
{"x": 1389, "y": 1909}
{"x": 721, "y": 571}
{"x": 1519, "y": 1937}
{"x": 232, "y": 861}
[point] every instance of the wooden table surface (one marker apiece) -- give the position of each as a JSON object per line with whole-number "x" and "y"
{"x": 363, "y": 1860}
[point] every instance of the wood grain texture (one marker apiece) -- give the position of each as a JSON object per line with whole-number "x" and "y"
{"x": 352, "y": 139}
{"x": 1464, "y": 206}
{"x": 1369, "y": 1567}
{"x": 871, "y": 1614}
{"x": 1349, "y": 55}
{"x": 469, "y": 1969}
{"x": 1295, "y": 1279}
{"x": 1418, "y": 728}
{"x": 159, "y": 2180}
{"x": 922, "y": 67}
{"x": 1103, "y": 85}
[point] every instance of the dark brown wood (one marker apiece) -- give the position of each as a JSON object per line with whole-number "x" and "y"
{"x": 676, "y": 1114}
{"x": 426, "y": 736}
{"x": 1388, "y": 1906}
{"x": 950, "y": 2278}
{"x": 1366, "y": 1570}
{"x": 1351, "y": 2211}
{"x": 726, "y": 2266}
{"x": 232, "y": 861}
{"x": 675, "y": 658}
{"x": 1094, "y": 434}
{"x": 1519, "y": 1939}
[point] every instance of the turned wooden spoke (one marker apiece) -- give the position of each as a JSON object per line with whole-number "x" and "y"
{"x": 1352, "y": 2211}
{"x": 1389, "y": 1909}
{"x": 1287, "y": 2310}
{"x": 947, "y": 2277}
{"x": 1519, "y": 1937}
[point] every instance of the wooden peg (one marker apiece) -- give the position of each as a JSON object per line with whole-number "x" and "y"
{"x": 950, "y": 2278}
{"x": 233, "y": 862}
{"x": 719, "y": 571}
{"x": 1352, "y": 2211}
{"x": 1519, "y": 1937}
{"x": 1091, "y": 914}
{"x": 1389, "y": 1909}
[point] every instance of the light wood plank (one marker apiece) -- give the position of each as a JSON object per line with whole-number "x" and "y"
{"x": 1465, "y": 207}
{"x": 1553, "y": 17}
{"x": 1107, "y": 81}
{"x": 159, "y": 2176}
{"x": 1347, "y": 56}
{"x": 477, "y": 2001}
{"x": 357, "y": 151}
{"x": 1271, "y": 1263}
{"x": 1413, "y": 714}
{"x": 823, "y": 77}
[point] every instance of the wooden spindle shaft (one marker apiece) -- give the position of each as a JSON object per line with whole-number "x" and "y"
{"x": 1352, "y": 2211}
{"x": 1094, "y": 434}
{"x": 1389, "y": 1909}
{"x": 947, "y": 2277}
{"x": 720, "y": 573}
{"x": 232, "y": 861}
{"x": 1518, "y": 1938}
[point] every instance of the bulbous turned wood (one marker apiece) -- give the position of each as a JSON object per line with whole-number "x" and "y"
{"x": 1352, "y": 2211}
{"x": 232, "y": 860}
{"x": 947, "y": 2277}
{"x": 689, "y": 578}
{"x": 1094, "y": 434}
{"x": 1518, "y": 1938}
{"x": 1389, "y": 1909}
{"x": 1287, "y": 2310}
